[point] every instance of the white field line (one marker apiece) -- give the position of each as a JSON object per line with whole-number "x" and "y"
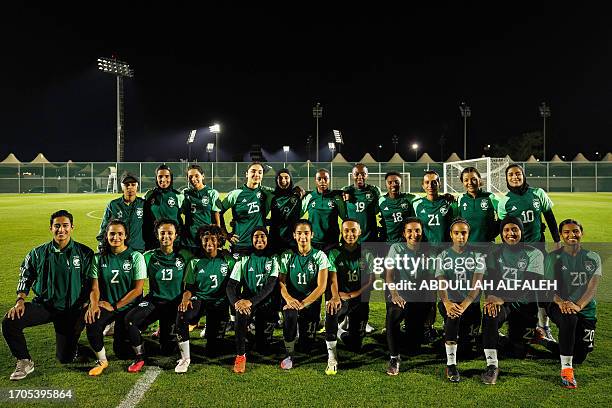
{"x": 90, "y": 214}
{"x": 138, "y": 390}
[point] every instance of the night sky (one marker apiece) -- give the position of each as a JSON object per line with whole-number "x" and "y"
{"x": 259, "y": 71}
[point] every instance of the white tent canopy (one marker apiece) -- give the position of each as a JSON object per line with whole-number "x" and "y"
{"x": 580, "y": 158}
{"x": 607, "y": 157}
{"x": 40, "y": 159}
{"x": 425, "y": 158}
{"x": 531, "y": 159}
{"x": 453, "y": 158}
{"x": 556, "y": 159}
{"x": 10, "y": 159}
{"x": 367, "y": 158}
{"x": 339, "y": 159}
{"x": 396, "y": 158}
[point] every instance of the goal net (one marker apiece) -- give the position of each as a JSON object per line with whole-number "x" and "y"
{"x": 378, "y": 179}
{"x": 492, "y": 170}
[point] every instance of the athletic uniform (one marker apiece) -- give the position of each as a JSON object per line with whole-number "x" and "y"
{"x": 116, "y": 275}
{"x": 480, "y": 213}
{"x": 198, "y": 208}
{"x": 393, "y": 212}
{"x": 436, "y": 217}
{"x": 324, "y": 209}
{"x": 363, "y": 207}
{"x": 131, "y": 214}
{"x": 573, "y": 274}
{"x": 160, "y": 203}
{"x": 60, "y": 282}
{"x": 285, "y": 210}
{"x": 528, "y": 207}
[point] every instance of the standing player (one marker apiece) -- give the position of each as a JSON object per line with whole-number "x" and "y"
{"x": 201, "y": 206}
{"x": 434, "y": 211}
{"x": 118, "y": 273}
{"x": 362, "y": 203}
{"x": 303, "y": 279}
{"x": 165, "y": 271}
{"x": 324, "y": 207}
{"x": 251, "y": 283}
{"x": 529, "y": 204}
{"x": 577, "y": 272}
{"x": 402, "y": 304}
{"x": 250, "y": 205}
{"x": 395, "y": 207}
{"x": 57, "y": 273}
{"x": 477, "y": 207}
{"x": 352, "y": 269}
{"x": 511, "y": 263}
{"x": 128, "y": 208}
{"x": 205, "y": 293}
{"x": 460, "y": 308}
{"x": 161, "y": 202}
{"x": 285, "y": 211}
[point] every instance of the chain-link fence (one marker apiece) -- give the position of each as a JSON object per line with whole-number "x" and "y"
{"x": 98, "y": 177}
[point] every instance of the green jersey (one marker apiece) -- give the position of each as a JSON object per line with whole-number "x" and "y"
{"x": 206, "y": 278}
{"x": 323, "y": 212}
{"x": 415, "y": 270}
{"x": 249, "y": 209}
{"x": 116, "y": 274}
{"x": 160, "y": 203}
{"x": 393, "y": 212}
{"x": 363, "y": 206}
{"x": 459, "y": 269}
{"x": 529, "y": 208}
{"x": 573, "y": 274}
{"x": 165, "y": 273}
{"x": 511, "y": 264}
{"x": 302, "y": 271}
{"x": 131, "y": 214}
{"x": 353, "y": 268}
{"x": 480, "y": 213}
{"x": 198, "y": 208}
{"x": 436, "y": 217}
{"x": 57, "y": 277}
{"x": 253, "y": 272}
{"x": 285, "y": 211}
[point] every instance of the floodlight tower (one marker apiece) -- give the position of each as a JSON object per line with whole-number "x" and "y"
{"x": 395, "y": 141}
{"x": 120, "y": 69}
{"x": 332, "y": 147}
{"x": 415, "y": 147}
{"x": 317, "y": 113}
{"x": 466, "y": 112}
{"x": 209, "y": 149}
{"x": 286, "y": 150}
{"x": 190, "y": 141}
{"x": 545, "y": 113}
{"x": 216, "y": 129}
{"x": 338, "y": 138}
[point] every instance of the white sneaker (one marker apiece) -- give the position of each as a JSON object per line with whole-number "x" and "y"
{"x": 369, "y": 328}
{"x": 182, "y": 366}
{"x": 203, "y": 332}
{"x": 109, "y": 330}
{"x": 22, "y": 369}
{"x": 332, "y": 367}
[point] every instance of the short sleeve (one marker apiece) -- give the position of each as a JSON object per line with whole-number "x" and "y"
{"x": 545, "y": 202}
{"x": 597, "y": 260}
{"x": 536, "y": 262}
{"x": 230, "y": 200}
{"x": 237, "y": 271}
{"x": 93, "y": 269}
{"x": 275, "y": 267}
{"x": 332, "y": 260}
{"x": 139, "y": 268}
{"x": 322, "y": 260}
{"x": 214, "y": 199}
{"x": 189, "y": 273}
{"x": 439, "y": 271}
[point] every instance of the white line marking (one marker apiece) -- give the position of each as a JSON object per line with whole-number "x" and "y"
{"x": 89, "y": 214}
{"x": 142, "y": 385}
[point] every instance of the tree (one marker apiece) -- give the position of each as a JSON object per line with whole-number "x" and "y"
{"x": 520, "y": 148}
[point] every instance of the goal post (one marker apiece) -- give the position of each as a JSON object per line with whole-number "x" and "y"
{"x": 378, "y": 179}
{"x": 491, "y": 169}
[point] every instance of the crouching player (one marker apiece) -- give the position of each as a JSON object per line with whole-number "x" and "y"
{"x": 165, "y": 269}
{"x": 303, "y": 279}
{"x": 118, "y": 273}
{"x": 577, "y": 272}
{"x": 352, "y": 268}
{"x": 510, "y": 264}
{"x": 459, "y": 306}
{"x": 251, "y": 283}
{"x": 404, "y": 303}
{"x": 205, "y": 293}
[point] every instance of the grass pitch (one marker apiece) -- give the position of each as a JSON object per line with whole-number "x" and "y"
{"x": 361, "y": 380}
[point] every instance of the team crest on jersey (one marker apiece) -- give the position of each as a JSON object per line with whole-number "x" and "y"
{"x": 119, "y": 214}
{"x": 76, "y": 261}
{"x": 330, "y": 204}
{"x": 313, "y": 205}
{"x": 204, "y": 200}
{"x": 223, "y": 269}
{"x": 484, "y": 204}
{"x": 536, "y": 203}
{"x": 127, "y": 266}
{"x": 444, "y": 210}
{"x": 171, "y": 202}
{"x": 258, "y": 194}
{"x": 179, "y": 264}
{"x": 589, "y": 266}
{"x": 404, "y": 206}
{"x": 268, "y": 266}
{"x": 522, "y": 263}
{"x": 368, "y": 196}
{"x": 139, "y": 212}
{"x": 310, "y": 267}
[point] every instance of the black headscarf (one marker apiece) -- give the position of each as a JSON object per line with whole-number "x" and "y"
{"x": 511, "y": 220}
{"x": 265, "y": 251}
{"x": 283, "y": 191}
{"x": 523, "y": 188}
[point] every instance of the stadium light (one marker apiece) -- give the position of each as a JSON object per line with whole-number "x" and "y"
{"x": 317, "y": 113}
{"x": 209, "y": 149}
{"x": 545, "y": 113}
{"x": 120, "y": 70}
{"x": 415, "y": 147}
{"x": 216, "y": 129}
{"x": 466, "y": 112}
{"x": 332, "y": 147}
{"x": 338, "y": 138}
{"x": 309, "y": 144}
{"x": 395, "y": 141}
{"x": 378, "y": 154}
{"x": 190, "y": 141}
{"x": 286, "y": 150}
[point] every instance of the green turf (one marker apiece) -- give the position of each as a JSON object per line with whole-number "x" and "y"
{"x": 361, "y": 380}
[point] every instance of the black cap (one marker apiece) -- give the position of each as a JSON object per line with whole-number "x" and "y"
{"x": 128, "y": 177}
